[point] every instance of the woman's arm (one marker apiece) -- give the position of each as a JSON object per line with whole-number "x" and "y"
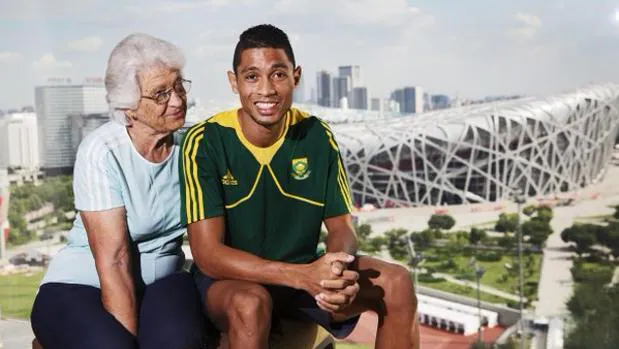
{"x": 109, "y": 241}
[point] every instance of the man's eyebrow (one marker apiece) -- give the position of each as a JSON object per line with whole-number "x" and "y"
{"x": 248, "y": 69}
{"x": 279, "y": 65}
{"x": 273, "y": 66}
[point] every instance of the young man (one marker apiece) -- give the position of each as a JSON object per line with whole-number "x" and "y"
{"x": 258, "y": 183}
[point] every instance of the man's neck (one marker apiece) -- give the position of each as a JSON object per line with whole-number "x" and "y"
{"x": 259, "y": 135}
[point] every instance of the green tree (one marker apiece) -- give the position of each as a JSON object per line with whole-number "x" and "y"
{"x": 506, "y": 241}
{"x": 441, "y": 221}
{"x": 529, "y": 210}
{"x": 34, "y": 202}
{"x": 375, "y": 244}
{"x": 397, "y": 243}
{"x": 476, "y": 235}
{"x": 545, "y": 213}
{"x": 506, "y": 223}
{"x": 424, "y": 238}
{"x": 364, "y": 231}
{"x": 538, "y": 229}
{"x": 596, "y": 317}
{"x": 583, "y": 235}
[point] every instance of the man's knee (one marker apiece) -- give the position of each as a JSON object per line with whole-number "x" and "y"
{"x": 250, "y": 306}
{"x": 398, "y": 284}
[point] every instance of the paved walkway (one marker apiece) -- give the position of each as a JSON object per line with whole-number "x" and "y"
{"x": 482, "y": 287}
{"x": 555, "y": 287}
{"x": 15, "y": 334}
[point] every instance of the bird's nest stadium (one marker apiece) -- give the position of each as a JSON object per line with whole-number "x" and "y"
{"x": 479, "y": 153}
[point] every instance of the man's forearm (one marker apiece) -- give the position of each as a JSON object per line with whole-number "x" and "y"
{"x": 223, "y": 262}
{"x": 342, "y": 242}
{"x": 118, "y": 296}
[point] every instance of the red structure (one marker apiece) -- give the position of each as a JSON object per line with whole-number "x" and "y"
{"x": 431, "y": 338}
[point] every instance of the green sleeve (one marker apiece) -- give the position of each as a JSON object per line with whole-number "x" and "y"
{"x": 201, "y": 191}
{"x": 338, "y": 198}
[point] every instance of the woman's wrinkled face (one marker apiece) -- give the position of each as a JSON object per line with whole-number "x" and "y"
{"x": 163, "y": 101}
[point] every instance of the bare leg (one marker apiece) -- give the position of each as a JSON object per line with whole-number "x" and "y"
{"x": 388, "y": 290}
{"x": 242, "y": 310}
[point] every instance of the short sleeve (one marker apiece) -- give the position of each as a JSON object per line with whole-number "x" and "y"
{"x": 95, "y": 182}
{"x": 337, "y": 199}
{"x": 201, "y": 191}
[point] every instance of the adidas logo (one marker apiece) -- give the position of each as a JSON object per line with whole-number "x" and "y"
{"x": 228, "y": 179}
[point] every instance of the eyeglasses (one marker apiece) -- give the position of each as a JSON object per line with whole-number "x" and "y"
{"x": 181, "y": 87}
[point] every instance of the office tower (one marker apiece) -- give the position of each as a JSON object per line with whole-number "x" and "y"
{"x": 410, "y": 99}
{"x": 353, "y": 72}
{"x": 299, "y": 92}
{"x": 323, "y": 86}
{"x": 359, "y": 98}
{"x": 20, "y": 143}
{"x": 341, "y": 89}
{"x": 440, "y": 102}
{"x": 55, "y": 104}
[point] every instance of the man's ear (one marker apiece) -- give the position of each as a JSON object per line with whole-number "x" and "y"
{"x": 297, "y": 75}
{"x": 232, "y": 81}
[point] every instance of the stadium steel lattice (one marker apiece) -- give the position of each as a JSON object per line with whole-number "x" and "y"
{"x": 479, "y": 153}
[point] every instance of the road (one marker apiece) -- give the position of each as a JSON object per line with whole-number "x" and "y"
{"x": 15, "y": 334}
{"x": 40, "y": 246}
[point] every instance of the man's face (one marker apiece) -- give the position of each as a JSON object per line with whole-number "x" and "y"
{"x": 265, "y": 80}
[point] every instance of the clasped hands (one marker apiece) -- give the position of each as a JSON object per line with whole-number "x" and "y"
{"x": 330, "y": 281}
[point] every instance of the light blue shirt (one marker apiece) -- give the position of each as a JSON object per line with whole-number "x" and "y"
{"x": 110, "y": 173}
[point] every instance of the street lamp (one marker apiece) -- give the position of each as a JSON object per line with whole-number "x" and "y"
{"x": 518, "y": 196}
{"x": 416, "y": 259}
{"x": 479, "y": 272}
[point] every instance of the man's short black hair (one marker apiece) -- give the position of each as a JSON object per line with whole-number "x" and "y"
{"x": 262, "y": 36}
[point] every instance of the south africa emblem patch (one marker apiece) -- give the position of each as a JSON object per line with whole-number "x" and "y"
{"x": 300, "y": 168}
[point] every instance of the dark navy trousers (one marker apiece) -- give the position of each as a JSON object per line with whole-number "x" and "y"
{"x": 69, "y": 316}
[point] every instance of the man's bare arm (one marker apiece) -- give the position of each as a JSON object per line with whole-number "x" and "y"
{"x": 214, "y": 258}
{"x": 341, "y": 234}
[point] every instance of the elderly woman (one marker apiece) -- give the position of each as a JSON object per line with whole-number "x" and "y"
{"x": 119, "y": 281}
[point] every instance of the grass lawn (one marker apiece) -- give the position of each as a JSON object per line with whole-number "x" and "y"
{"x": 447, "y": 286}
{"x": 496, "y": 274}
{"x": 17, "y": 294}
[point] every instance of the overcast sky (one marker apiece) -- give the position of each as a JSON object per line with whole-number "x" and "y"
{"x": 469, "y": 48}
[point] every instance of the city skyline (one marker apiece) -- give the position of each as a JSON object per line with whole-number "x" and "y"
{"x": 467, "y": 50}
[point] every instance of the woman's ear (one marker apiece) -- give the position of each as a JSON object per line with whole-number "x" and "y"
{"x": 131, "y": 115}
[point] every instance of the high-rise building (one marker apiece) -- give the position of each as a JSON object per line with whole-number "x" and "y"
{"x": 440, "y": 102}
{"x": 323, "y": 86}
{"x": 341, "y": 89}
{"x": 83, "y": 124}
{"x": 4, "y": 211}
{"x": 19, "y": 141}
{"x": 353, "y": 72}
{"x": 55, "y": 103}
{"x": 427, "y": 102}
{"x": 392, "y": 106}
{"x": 299, "y": 92}
{"x": 376, "y": 104}
{"x": 359, "y": 98}
{"x": 410, "y": 98}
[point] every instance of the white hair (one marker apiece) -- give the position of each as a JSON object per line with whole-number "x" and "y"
{"x": 134, "y": 54}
